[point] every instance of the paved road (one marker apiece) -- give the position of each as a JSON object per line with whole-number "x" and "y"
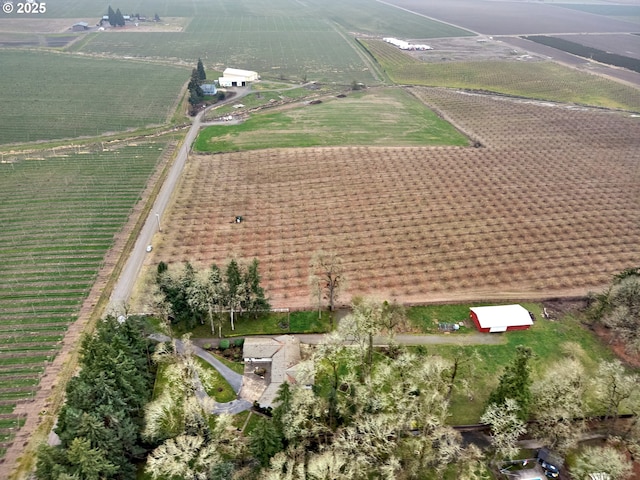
{"x": 123, "y": 288}
{"x": 234, "y": 379}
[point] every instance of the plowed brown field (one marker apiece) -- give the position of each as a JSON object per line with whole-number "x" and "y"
{"x": 550, "y": 205}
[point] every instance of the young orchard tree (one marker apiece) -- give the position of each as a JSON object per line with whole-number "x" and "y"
{"x": 558, "y": 405}
{"x": 327, "y": 277}
{"x": 506, "y": 427}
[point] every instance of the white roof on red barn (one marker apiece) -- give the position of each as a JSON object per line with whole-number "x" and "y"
{"x": 500, "y": 317}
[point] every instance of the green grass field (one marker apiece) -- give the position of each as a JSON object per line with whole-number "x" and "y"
{"x": 546, "y": 339}
{"x": 388, "y": 116}
{"x": 50, "y": 96}
{"x": 539, "y": 80}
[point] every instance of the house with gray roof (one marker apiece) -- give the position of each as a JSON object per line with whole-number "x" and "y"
{"x": 276, "y": 359}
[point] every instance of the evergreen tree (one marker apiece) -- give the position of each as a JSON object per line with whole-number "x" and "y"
{"x": 119, "y": 18}
{"x": 515, "y": 382}
{"x": 255, "y": 299}
{"x": 99, "y": 425}
{"x": 195, "y": 92}
{"x": 265, "y": 441}
{"x": 202, "y": 75}
{"x": 112, "y": 16}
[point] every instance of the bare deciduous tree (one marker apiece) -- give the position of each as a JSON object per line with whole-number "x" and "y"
{"x": 506, "y": 427}
{"x": 558, "y": 405}
{"x": 326, "y": 278}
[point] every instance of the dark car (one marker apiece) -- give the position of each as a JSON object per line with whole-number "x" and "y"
{"x": 549, "y": 462}
{"x": 550, "y": 470}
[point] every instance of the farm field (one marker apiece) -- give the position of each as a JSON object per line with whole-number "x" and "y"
{"x": 515, "y": 18}
{"x": 531, "y": 79}
{"x": 291, "y": 50}
{"x": 627, "y": 45}
{"x": 547, "y": 207}
{"x": 59, "y": 216}
{"x": 81, "y": 96}
{"x": 400, "y": 120}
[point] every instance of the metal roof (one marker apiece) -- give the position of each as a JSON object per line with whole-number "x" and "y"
{"x": 237, "y": 72}
{"x": 500, "y": 317}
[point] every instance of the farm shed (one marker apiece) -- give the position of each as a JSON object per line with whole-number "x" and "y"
{"x": 80, "y": 27}
{"x": 501, "y": 318}
{"x": 208, "y": 89}
{"x": 279, "y": 356}
{"x": 234, "y": 77}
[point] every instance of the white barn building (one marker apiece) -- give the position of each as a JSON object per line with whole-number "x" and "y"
{"x": 234, "y": 77}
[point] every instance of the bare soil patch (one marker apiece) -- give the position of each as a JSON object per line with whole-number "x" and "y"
{"x": 39, "y": 25}
{"x": 465, "y": 49}
{"x": 548, "y": 207}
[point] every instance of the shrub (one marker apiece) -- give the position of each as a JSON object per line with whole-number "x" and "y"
{"x": 224, "y": 344}
{"x": 238, "y": 342}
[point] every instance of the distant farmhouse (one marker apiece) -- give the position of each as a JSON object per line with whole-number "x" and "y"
{"x": 80, "y": 27}
{"x": 234, "y": 77}
{"x": 208, "y": 89}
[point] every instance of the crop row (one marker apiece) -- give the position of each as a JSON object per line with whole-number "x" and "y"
{"x": 540, "y": 80}
{"x": 421, "y": 223}
{"x": 60, "y": 215}
{"x": 82, "y": 95}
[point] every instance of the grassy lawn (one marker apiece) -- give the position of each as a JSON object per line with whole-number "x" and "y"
{"x": 268, "y": 324}
{"x": 216, "y": 386}
{"x": 546, "y": 338}
{"x": 380, "y": 116}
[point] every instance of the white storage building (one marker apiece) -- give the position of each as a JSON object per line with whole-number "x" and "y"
{"x": 234, "y": 77}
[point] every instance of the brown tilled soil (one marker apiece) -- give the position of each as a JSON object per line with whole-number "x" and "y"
{"x": 548, "y": 206}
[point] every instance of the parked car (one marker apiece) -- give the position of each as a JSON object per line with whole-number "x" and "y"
{"x": 550, "y": 470}
{"x": 549, "y": 462}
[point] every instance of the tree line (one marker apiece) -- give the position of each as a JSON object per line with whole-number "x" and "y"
{"x": 100, "y": 426}
{"x": 370, "y": 412}
{"x": 191, "y": 297}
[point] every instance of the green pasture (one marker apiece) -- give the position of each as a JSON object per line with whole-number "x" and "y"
{"x": 540, "y": 80}
{"x": 266, "y": 95}
{"x": 48, "y": 96}
{"x": 388, "y": 116}
{"x": 546, "y": 338}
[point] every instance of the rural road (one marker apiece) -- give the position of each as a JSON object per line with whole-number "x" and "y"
{"x": 129, "y": 275}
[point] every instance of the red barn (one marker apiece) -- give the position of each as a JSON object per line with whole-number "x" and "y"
{"x": 501, "y": 318}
